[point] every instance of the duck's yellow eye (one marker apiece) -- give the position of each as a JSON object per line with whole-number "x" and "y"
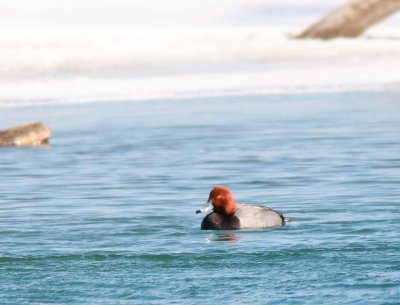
{"x": 219, "y": 196}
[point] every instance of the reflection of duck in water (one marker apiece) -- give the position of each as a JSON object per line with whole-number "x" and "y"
{"x": 229, "y": 215}
{"x": 216, "y": 237}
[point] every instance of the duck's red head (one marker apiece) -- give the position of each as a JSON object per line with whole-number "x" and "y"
{"x": 220, "y": 201}
{"x": 223, "y": 201}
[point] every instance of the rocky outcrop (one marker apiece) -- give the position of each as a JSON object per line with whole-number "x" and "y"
{"x": 352, "y": 19}
{"x": 35, "y": 134}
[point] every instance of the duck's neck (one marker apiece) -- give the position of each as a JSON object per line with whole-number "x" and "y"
{"x": 228, "y": 208}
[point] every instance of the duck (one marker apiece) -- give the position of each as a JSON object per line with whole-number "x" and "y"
{"x": 226, "y": 214}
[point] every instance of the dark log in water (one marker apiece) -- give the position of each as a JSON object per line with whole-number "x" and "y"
{"x": 34, "y": 134}
{"x": 352, "y": 19}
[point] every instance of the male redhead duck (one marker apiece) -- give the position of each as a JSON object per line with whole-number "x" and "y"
{"x": 229, "y": 215}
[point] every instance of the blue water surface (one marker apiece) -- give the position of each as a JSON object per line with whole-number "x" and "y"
{"x": 106, "y": 213}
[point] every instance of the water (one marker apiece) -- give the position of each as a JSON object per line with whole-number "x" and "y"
{"x": 106, "y": 213}
{"x": 151, "y": 105}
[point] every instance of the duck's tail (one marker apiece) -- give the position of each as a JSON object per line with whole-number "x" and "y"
{"x": 285, "y": 219}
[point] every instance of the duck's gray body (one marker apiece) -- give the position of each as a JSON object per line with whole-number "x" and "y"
{"x": 245, "y": 217}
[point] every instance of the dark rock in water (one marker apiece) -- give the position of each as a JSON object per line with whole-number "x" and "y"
{"x": 34, "y": 134}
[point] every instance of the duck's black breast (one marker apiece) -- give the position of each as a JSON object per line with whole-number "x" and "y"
{"x": 215, "y": 221}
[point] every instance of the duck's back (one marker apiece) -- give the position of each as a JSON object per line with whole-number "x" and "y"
{"x": 257, "y": 217}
